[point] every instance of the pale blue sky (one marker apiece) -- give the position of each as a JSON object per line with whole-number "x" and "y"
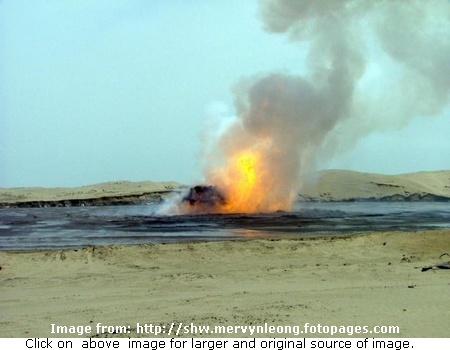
{"x": 94, "y": 91}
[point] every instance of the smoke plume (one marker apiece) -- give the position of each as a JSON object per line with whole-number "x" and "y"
{"x": 372, "y": 65}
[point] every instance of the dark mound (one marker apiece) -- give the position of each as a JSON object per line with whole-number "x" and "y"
{"x": 205, "y": 196}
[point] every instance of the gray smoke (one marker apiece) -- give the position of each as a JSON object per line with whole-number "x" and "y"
{"x": 372, "y": 65}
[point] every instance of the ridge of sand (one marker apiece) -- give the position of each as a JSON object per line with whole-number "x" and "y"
{"x": 113, "y": 189}
{"x": 342, "y": 185}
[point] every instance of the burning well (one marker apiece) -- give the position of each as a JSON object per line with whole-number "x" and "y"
{"x": 371, "y": 66}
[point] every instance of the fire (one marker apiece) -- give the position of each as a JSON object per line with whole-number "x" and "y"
{"x": 248, "y": 173}
{"x": 246, "y": 166}
{"x": 243, "y": 189}
{"x": 247, "y": 183}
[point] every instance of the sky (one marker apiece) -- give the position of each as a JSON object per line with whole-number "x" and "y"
{"x": 96, "y": 91}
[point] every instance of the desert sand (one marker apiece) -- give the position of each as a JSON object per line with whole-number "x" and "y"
{"x": 366, "y": 280}
{"x": 107, "y": 191}
{"x": 341, "y": 185}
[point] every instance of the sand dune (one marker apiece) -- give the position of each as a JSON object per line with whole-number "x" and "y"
{"x": 98, "y": 194}
{"x": 363, "y": 280}
{"x": 329, "y": 185}
{"x": 338, "y": 185}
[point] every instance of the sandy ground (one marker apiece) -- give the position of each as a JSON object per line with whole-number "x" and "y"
{"x": 370, "y": 279}
{"x": 347, "y": 185}
{"x": 107, "y": 189}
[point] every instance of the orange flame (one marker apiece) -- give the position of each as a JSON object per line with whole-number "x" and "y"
{"x": 244, "y": 174}
{"x": 247, "y": 183}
